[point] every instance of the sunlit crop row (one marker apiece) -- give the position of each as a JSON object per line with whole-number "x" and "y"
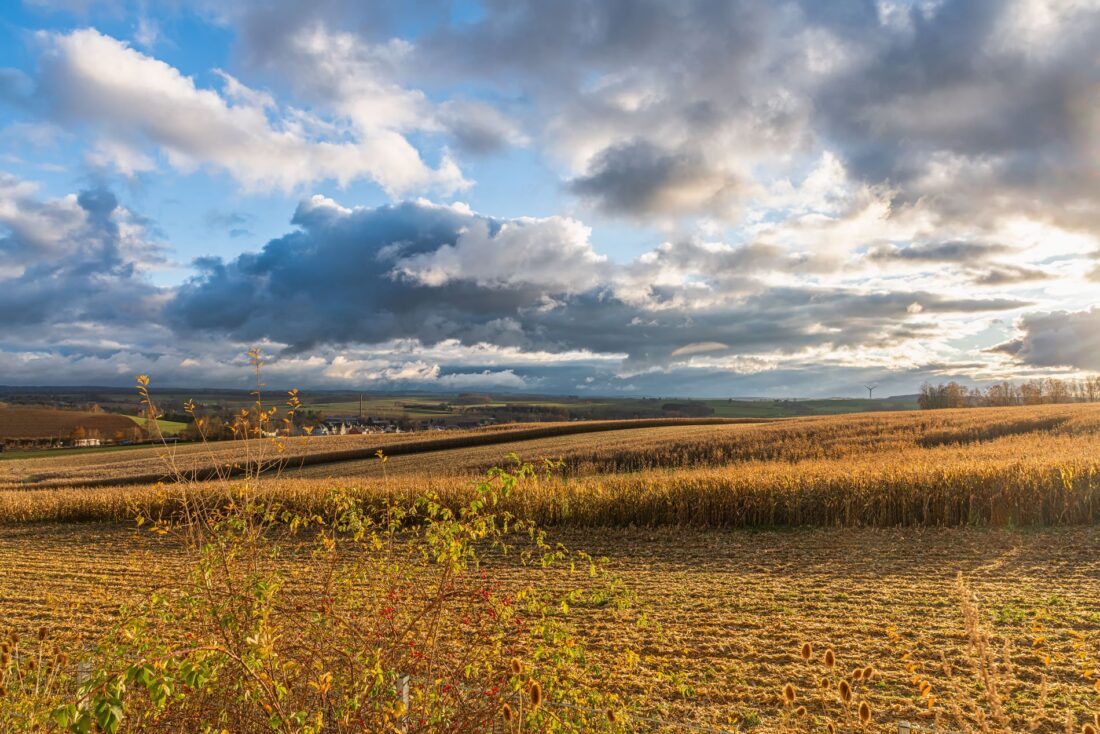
{"x": 998, "y": 467}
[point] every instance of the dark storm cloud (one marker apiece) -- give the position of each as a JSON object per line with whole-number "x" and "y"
{"x": 332, "y": 282}
{"x": 339, "y": 279}
{"x": 1059, "y": 339}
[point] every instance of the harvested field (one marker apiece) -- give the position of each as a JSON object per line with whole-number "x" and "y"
{"x": 27, "y": 423}
{"x": 853, "y": 531}
{"x": 726, "y": 611}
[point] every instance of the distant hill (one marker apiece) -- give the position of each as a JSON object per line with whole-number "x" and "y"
{"x": 27, "y": 423}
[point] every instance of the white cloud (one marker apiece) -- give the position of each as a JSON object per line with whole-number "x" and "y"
{"x": 553, "y": 253}
{"x": 698, "y": 348}
{"x": 132, "y": 100}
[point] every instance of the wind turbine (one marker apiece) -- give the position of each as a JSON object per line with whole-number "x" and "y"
{"x": 871, "y": 391}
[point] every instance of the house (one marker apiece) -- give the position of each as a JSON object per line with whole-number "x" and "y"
{"x": 86, "y": 442}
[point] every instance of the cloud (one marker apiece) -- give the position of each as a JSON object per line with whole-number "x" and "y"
{"x": 1000, "y": 275}
{"x": 982, "y": 107}
{"x": 977, "y": 106}
{"x": 427, "y": 296}
{"x": 638, "y": 178}
{"x": 699, "y": 348}
{"x": 937, "y": 252}
{"x": 131, "y": 101}
{"x": 1058, "y": 339}
{"x": 436, "y": 274}
{"x": 552, "y": 253}
{"x": 480, "y": 128}
{"x": 235, "y": 224}
{"x": 76, "y": 263}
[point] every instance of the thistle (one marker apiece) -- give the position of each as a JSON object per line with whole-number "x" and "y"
{"x": 536, "y": 694}
{"x": 845, "y": 691}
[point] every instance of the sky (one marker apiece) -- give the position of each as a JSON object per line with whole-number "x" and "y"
{"x": 624, "y": 198}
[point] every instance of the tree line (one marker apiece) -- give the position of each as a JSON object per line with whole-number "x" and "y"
{"x": 1033, "y": 392}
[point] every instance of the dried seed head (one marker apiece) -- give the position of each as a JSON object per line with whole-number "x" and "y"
{"x": 536, "y": 694}
{"x": 826, "y": 683}
{"x": 506, "y": 712}
{"x": 788, "y": 693}
{"x": 857, "y": 674}
{"x": 1096, "y": 718}
{"x": 42, "y": 632}
{"x": 807, "y": 651}
{"x": 845, "y": 691}
{"x": 800, "y": 711}
{"x": 864, "y": 712}
{"x": 831, "y": 728}
{"x": 1088, "y": 729}
{"x": 612, "y": 716}
{"x": 830, "y": 658}
{"x": 868, "y": 672}
{"x": 517, "y": 666}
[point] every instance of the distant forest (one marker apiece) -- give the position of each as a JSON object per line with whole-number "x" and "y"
{"x": 1033, "y": 392}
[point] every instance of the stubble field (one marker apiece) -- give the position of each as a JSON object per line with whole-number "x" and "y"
{"x": 724, "y": 612}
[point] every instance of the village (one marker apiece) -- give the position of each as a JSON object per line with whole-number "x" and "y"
{"x": 43, "y": 429}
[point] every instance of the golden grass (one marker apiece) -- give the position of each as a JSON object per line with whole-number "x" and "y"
{"x": 149, "y": 465}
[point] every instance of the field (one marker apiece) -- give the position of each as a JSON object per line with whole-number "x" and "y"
{"x": 728, "y": 610}
{"x": 24, "y": 422}
{"x": 166, "y": 428}
{"x": 453, "y": 408}
{"x": 739, "y": 542}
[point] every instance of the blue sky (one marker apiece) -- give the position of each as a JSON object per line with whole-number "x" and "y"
{"x": 686, "y": 197}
